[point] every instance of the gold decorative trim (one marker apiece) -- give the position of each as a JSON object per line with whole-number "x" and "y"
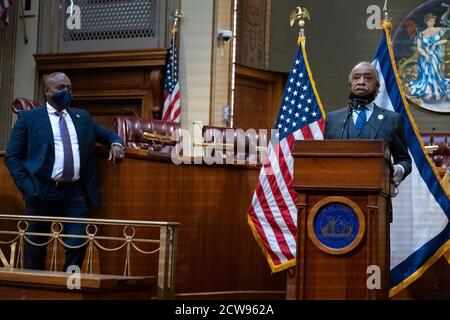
{"x": 286, "y": 265}
{"x": 447, "y": 256}
{"x": 361, "y": 219}
{"x": 419, "y": 272}
{"x": 302, "y": 42}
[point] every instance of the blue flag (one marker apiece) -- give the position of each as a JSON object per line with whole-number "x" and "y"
{"x": 420, "y": 229}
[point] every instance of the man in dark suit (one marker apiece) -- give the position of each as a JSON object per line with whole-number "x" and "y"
{"x": 363, "y": 119}
{"x": 51, "y": 158}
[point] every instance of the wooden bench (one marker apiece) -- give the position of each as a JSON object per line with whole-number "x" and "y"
{"x": 23, "y": 284}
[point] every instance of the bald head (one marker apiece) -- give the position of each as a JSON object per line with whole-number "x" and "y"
{"x": 51, "y": 78}
{"x": 57, "y": 83}
{"x": 364, "y": 80}
{"x": 366, "y": 66}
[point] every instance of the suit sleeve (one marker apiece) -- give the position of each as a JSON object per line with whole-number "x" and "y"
{"x": 16, "y": 154}
{"x": 106, "y": 137}
{"x": 400, "y": 149}
{"x": 102, "y": 135}
{"x": 330, "y": 127}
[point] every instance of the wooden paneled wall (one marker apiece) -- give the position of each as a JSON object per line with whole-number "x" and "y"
{"x": 257, "y": 97}
{"x": 108, "y": 83}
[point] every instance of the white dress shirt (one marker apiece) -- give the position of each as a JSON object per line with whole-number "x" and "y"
{"x": 369, "y": 112}
{"x": 59, "y": 150}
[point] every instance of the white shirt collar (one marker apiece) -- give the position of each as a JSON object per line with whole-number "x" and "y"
{"x": 370, "y": 106}
{"x": 52, "y": 110}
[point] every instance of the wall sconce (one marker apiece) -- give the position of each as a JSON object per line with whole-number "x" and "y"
{"x": 224, "y": 35}
{"x": 226, "y": 114}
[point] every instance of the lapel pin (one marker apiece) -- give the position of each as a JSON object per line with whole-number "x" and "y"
{"x": 380, "y": 117}
{"x": 78, "y": 115}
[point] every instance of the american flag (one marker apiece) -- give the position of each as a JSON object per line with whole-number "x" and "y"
{"x": 272, "y": 215}
{"x": 171, "y": 109}
{"x": 4, "y": 5}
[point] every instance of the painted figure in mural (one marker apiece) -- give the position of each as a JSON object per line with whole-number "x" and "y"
{"x": 431, "y": 83}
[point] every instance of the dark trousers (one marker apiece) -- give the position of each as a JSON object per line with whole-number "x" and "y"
{"x": 60, "y": 202}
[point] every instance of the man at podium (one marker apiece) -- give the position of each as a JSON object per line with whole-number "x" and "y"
{"x": 363, "y": 119}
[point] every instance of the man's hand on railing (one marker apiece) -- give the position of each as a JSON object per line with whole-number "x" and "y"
{"x": 117, "y": 153}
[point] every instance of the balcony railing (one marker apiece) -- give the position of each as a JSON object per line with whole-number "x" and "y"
{"x": 164, "y": 245}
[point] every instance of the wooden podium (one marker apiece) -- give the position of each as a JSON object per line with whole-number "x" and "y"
{"x": 343, "y": 199}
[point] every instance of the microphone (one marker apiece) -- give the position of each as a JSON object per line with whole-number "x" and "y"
{"x": 353, "y": 105}
{"x": 359, "y": 102}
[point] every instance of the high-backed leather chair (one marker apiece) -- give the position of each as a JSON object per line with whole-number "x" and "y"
{"x": 21, "y": 104}
{"x": 440, "y": 157}
{"x": 245, "y": 143}
{"x": 131, "y": 129}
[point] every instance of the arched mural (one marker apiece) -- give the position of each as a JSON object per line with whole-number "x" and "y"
{"x": 422, "y": 51}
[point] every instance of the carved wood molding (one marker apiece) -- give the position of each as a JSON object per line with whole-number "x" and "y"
{"x": 254, "y": 33}
{"x": 112, "y": 59}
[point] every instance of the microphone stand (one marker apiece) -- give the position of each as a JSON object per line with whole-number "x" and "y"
{"x": 355, "y": 105}
{"x": 349, "y": 113}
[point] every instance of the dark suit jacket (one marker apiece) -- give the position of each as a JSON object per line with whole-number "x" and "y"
{"x": 383, "y": 124}
{"x": 30, "y": 153}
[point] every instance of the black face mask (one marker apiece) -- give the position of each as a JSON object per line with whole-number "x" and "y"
{"x": 369, "y": 98}
{"x": 62, "y": 99}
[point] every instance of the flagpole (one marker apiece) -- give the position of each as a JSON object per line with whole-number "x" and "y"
{"x": 302, "y": 14}
{"x": 25, "y": 37}
{"x": 177, "y": 15}
{"x": 387, "y": 21}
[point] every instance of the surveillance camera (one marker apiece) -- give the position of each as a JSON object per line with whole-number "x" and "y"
{"x": 224, "y": 35}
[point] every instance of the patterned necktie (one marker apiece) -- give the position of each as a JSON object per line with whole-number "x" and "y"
{"x": 68, "y": 170}
{"x": 361, "y": 120}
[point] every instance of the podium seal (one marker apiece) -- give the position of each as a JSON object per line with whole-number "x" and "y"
{"x": 336, "y": 225}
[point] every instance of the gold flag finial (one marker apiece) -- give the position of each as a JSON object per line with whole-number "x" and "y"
{"x": 387, "y": 22}
{"x": 176, "y": 15}
{"x": 300, "y": 14}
